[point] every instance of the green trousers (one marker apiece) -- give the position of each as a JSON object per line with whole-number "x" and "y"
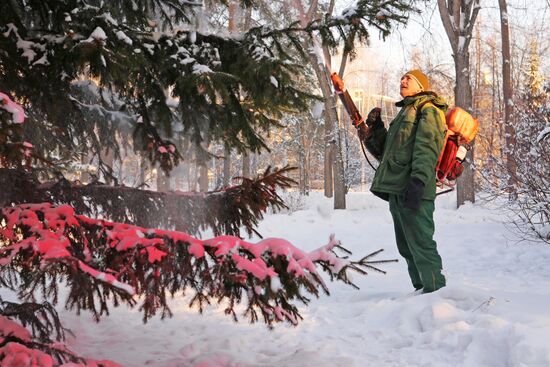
{"x": 414, "y": 230}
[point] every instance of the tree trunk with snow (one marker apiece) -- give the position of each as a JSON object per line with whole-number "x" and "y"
{"x": 227, "y": 166}
{"x": 307, "y": 131}
{"x": 327, "y": 168}
{"x": 247, "y": 172}
{"x": 458, "y": 19}
{"x": 163, "y": 181}
{"x": 477, "y": 73}
{"x": 509, "y": 131}
{"x": 334, "y": 166}
{"x": 107, "y": 160}
{"x": 203, "y": 159}
{"x": 233, "y": 20}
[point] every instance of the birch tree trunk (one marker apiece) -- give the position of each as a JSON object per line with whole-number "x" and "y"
{"x": 334, "y": 165}
{"x": 458, "y": 17}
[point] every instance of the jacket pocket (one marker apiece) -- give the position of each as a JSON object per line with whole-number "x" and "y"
{"x": 398, "y": 174}
{"x": 402, "y": 154}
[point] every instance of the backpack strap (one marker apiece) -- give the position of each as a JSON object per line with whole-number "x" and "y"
{"x": 419, "y": 110}
{"x": 443, "y": 167}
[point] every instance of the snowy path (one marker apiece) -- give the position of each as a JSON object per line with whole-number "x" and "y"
{"x": 495, "y": 310}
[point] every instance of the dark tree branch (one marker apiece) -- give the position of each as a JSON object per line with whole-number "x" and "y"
{"x": 225, "y": 211}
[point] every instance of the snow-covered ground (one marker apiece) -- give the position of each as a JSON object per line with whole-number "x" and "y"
{"x": 495, "y": 310}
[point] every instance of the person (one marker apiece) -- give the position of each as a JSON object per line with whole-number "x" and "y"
{"x": 408, "y": 152}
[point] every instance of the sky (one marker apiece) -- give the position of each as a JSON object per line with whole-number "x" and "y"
{"x": 425, "y": 30}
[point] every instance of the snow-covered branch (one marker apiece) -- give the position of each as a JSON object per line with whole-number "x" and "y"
{"x": 19, "y": 347}
{"x": 110, "y": 261}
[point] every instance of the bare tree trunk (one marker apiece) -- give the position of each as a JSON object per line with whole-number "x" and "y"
{"x": 340, "y": 189}
{"x": 477, "y": 72}
{"x": 163, "y": 181}
{"x": 509, "y": 131}
{"x": 202, "y": 165}
{"x": 477, "y": 92}
{"x": 246, "y": 165}
{"x": 330, "y": 117}
{"x": 239, "y": 20}
{"x": 107, "y": 156}
{"x": 495, "y": 92}
{"x": 306, "y": 137}
{"x": 187, "y": 166}
{"x": 328, "y": 160}
{"x": 85, "y": 176}
{"x": 120, "y": 170}
{"x": 307, "y": 169}
{"x": 329, "y": 163}
{"x": 143, "y": 167}
{"x": 235, "y": 13}
{"x": 227, "y": 166}
{"x": 333, "y": 156}
{"x": 193, "y": 172}
{"x": 458, "y": 17}
{"x": 203, "y": 177}
{"x": 339, "y": 180}
{"x": 334, "y": 165}
{"x": 463, "y": 98}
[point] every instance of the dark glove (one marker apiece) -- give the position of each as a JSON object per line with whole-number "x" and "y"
{"x": 373, "y": 119}
{"x": 414, "y": 193}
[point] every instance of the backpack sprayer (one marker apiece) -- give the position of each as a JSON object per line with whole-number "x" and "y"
{"x": 461, "y": 130}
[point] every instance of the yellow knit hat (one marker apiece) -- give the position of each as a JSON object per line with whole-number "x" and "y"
{"x": 421, "y": 78}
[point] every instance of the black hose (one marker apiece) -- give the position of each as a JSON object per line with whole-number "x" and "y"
{"x": 444, "y": 192}
{"x": 365, "y": 154}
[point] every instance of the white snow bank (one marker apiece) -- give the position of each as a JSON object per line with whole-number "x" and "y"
{"x": 494, "y": 311}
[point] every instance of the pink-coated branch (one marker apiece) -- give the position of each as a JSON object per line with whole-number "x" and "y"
{"x": 108, "y": 261}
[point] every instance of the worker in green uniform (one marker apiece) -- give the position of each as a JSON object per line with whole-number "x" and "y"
{"x": 408, "y": 151}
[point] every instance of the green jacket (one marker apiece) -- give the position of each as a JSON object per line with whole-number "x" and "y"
{"x": 410, "y": 147}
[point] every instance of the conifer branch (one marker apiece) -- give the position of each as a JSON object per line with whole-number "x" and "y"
{"x": 224, "y": 211}
{"x": 45, "y": 243}
{"x": 37, "y": 346}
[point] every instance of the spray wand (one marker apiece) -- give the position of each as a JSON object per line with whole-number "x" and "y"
{"x": 356, "y": 119}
